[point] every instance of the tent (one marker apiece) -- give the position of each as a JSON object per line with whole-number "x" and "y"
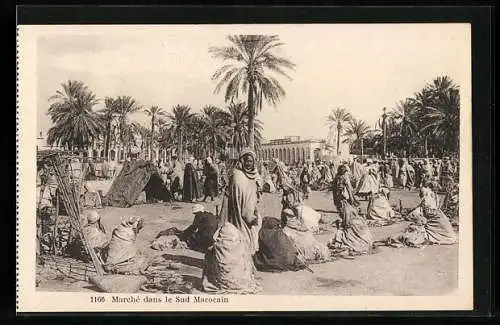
{"x": 134, "y": 178}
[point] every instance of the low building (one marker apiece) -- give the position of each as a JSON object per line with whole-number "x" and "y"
{"x": 292, "y": 150}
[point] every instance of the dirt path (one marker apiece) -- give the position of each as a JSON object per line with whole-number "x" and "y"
{"x": 405, "y": 271}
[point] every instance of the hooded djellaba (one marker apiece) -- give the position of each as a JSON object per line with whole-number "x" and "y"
{"x": 122, "y": 256}
{"x": 242, "y": 199}
{"x": 229, "y": 266}
{"x": 353, "y": 236}
{"x": 94, "y": 231}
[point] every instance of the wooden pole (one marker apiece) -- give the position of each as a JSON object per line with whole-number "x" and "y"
{"x": 74, "y": 214}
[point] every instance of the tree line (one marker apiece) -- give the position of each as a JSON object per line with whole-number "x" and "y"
{"x": 250, "y": 72}
{"x": 425, "y": 124}
{"x": 77, "y": 125}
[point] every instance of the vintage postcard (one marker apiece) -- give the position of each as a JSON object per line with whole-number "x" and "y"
{"x": 311, "y": 167}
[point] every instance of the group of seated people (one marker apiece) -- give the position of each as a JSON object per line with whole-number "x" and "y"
{"x": 284, "y": 244}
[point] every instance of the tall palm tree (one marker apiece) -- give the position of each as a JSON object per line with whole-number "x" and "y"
{"x": 251, "y": 60}
{"x": 155, "y": 113}
{"x": 338, "y": 118}
{"x": 107, "y": 114}
{"x": 168, "y": 138}
{"x": 442, "y": 120}
{"x": 441, "y": 84}
{"x": 438, "y": 105}
{"x": 405, "y": 115}
{"x": 198, "y": 136}
{"x": 215, "y": 124}
{"x": 143, "y": 133}
{"x": 237, "y": 119}
{"x": 179, "y": 120}
{"x": 124, "y": 106}
{"x": 76, "y": 124}
{"x": 356, "y": 131}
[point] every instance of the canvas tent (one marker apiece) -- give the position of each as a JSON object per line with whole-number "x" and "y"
{"x": 135, "y": 177}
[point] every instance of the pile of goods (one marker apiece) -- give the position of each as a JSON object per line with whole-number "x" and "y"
{"x": 162, "y": 279}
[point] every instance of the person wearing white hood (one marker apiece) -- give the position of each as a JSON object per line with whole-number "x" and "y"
{"x": 94, "y": 231}
{"x": 122, "y": 256}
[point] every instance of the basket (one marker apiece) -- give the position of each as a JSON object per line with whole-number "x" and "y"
{"x": 118, "y": 283}
{"x": 69, "y": 267}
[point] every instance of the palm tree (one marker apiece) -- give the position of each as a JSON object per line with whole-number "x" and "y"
{"x": 237, "y": 119}
{"x": 442, "y": 120}
{"x": 198, "y": 136}
{"x": 337, "y": 119}
{"x": 216, "y": 123}
{"x": 76, "y": 124}
{"x": 179, "y": 120}
{"x": 107, "y": 114}
{"x": 438, "y": 106}
{"x": 155, "y": 112}
{"x": 124, "y": 106}
{"x": 252, "y": 59}
{"x": 441, "y": 84}
{"x": 404, "y": 116}
{"x": 356, "y": 130}
{"x": 168, "y": 138}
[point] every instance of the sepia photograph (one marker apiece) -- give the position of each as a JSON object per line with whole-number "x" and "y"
{"x": 265, "y": 160}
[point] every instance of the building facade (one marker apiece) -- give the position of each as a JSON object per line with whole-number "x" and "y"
{"x": 292, "y": 150}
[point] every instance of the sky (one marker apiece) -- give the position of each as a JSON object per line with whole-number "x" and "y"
{"x": 361, "y": 68}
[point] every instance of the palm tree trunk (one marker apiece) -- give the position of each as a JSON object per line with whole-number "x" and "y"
{"x": 107, "y": 139}
{"x": 214, "y": 141}
{"x": 251, "y": 116}
{"x": 362, "y": 149}
{"x": 338, "y": 141}
{"x": 151, "y": 140}
{"x": 181, "y": 153}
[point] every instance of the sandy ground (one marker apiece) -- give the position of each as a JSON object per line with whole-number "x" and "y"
{"x": 430, "y": 270}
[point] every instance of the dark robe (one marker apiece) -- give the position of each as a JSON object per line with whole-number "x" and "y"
{"x": 199, "y": 235}
{"x": 211, "y": 177}
{"x": 190, "y": 184}
{"x": 341, "y": 191}
{"x": 277, "y": 252}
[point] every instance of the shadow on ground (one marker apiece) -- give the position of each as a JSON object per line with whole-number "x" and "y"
{"x": 333, "y": 283}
